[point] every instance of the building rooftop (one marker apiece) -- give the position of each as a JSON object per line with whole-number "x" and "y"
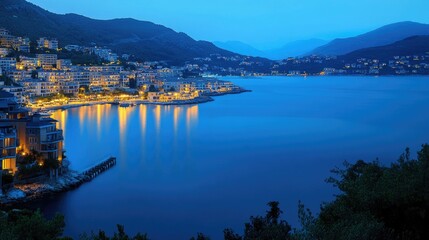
{"x": 4, "y": 94}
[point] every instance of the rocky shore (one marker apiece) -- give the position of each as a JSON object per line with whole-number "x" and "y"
{"x": 21, "y": 194}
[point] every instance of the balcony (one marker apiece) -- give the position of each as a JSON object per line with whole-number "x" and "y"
{"x": 53, "y": 137}
{"x": 49, "y": 148}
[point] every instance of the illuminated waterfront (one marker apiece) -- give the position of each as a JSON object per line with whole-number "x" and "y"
{"x": 202, "y": 168}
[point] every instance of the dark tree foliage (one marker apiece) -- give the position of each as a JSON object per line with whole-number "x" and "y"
{"x": 152, "y": 88}
{"x": 376, "y": 202}
{"x": 200, "y": 236}
{"x": 264, "y": 228}
{"x": 230, "y": 235}
{"x": 23, "y": 225}
{"x": 119, "y": 235}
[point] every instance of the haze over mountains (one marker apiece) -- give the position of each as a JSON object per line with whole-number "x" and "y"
{"x": 292, "y": 49}
{"x": 383, "y": 36}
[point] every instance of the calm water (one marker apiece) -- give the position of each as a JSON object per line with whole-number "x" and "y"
{"x": 202, "y": 168}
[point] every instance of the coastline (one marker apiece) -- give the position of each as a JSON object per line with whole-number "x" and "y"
{"x": 204, "y": 98}
{"x": 21, "y": 194}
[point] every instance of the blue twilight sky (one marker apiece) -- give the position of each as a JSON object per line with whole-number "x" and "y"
{"x": 261, "y": 23}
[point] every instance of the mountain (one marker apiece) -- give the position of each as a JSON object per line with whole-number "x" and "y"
{"x": 145, "y": 40}
{"x": 416, "y": 45}
{"x": 240, "y": 47}
{"x": 294, "y": 49}
{"x": 379, "y": 37}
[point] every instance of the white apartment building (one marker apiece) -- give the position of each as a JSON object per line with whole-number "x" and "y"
{"x": 8, "y": 64}
{"x": 46, "y": 59}
{"x": 38, "y": 88}
{"x": 47, "y": 43}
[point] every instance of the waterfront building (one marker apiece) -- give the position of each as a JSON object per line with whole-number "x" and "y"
{"x": 64, "y": 64}
{"x": 38, "y": 88}
{"x": 47, "y": 43}
{"x": 4, "y": 52}
{"x": 17, "y": 91}
{"x": 9, "y": 108}
{"x": 19, "y": 76}
{"x": 46, "y": 59}
{"x": 8, "y": 145}
{"x": 108, "y": 69}
{"x": 8, "y": 64}
{"x": 27, "y": 63}
{"x": 38, "y": 133}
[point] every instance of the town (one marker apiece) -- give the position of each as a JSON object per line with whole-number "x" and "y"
{"x": 36, "y": 73}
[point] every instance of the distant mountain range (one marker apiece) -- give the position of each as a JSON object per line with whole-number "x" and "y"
{"x": 412, "y": 46}
{"x": 240, "y": 47}
{"x": 145, "y": 40}
{"x": 380, "y": 37}
{"x": 293, "y": 49}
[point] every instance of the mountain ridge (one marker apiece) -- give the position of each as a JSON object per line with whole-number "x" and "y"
{"x": 146, "y": 40}
{"x": 382, "y": 36}
{"x": 415, "y": 45}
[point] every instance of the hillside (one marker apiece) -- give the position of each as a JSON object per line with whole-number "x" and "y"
{"x": 416, "y": 45}
{"x": 146, "y": 40}
{"x": 379, "y": 37}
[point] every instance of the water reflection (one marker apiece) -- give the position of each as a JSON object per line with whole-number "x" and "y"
{"x": 159, "y": 125}
{"x": 143, "y": 125}
{"x": 157, "y": 116}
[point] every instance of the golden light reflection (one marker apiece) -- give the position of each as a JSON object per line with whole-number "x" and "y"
{"x": 82, "y": 111}
{"x": 99, "y": 112}
{"x": 63, "y": 122}
{"x": 123, "y": 121}
{"x": 176, "y": 116}
{"x": 143, "y": 122}
{"x": 143, "y": 118}
{"x": 123, "y": 118}
{"x": 157, "y": 118}
{"x": 191, "y": 117}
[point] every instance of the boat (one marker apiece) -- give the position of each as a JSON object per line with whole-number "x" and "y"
{"x": 127, "y": 104}
{"x": 44, "y": 112}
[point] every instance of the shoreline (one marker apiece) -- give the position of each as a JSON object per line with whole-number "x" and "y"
{"x": 204, "y": 98}
{"x": 21, "y": 194}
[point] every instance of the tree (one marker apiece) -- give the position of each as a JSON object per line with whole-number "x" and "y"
{"x": 34, "y": 74}
{"x": 119, "y": 235}
{"x": 376, "y": 202}
{"x": 152, "y": 88}
{"x": 17, "y": 225}
{"x": 200, "y": 236}
{"x": 264, "y": 228}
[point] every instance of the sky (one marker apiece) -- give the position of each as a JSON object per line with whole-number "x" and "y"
{"x": 263, "y": 24}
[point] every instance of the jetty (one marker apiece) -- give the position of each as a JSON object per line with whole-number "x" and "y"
{"x": 93, "y": 172}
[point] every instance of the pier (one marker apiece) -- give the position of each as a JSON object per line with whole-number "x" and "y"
{"x": 93, "y": 172}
